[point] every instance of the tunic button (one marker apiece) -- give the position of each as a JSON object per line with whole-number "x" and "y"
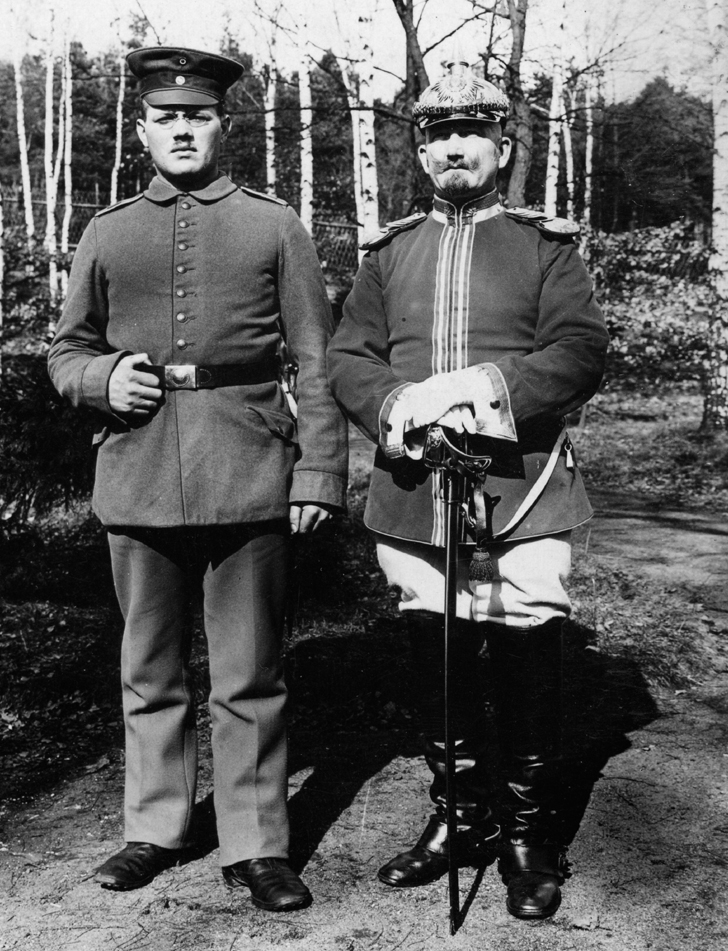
{"x": 181, "y": 269}
{"x": 495, "y": 404}
{"x": 182, "y": 224}
{"x": 183, "y": 246}
{"x": 181, "y": 318}
{"x": 186, "y": 205}
{"x": 181, "y": 293}
{"x": 181, "y": 344}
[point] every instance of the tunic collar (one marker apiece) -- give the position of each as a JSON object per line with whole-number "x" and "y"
{"x": 478, "y": 209}
{"x": 162, "y": 193}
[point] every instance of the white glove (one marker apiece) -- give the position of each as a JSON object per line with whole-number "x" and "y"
{"x": 430, "y": 400}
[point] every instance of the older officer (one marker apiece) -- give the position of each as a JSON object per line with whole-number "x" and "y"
{"x": 176, "y": 304}
{"x": 480, "y": 319}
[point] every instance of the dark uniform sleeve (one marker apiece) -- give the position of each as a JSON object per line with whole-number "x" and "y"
{"x": 570, "y": 345}
{"x": 358, "y": 357}
{"x": 80, "y": 360}
{"x": 320, "y": 474}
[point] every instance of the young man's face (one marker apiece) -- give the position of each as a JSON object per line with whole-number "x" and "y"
{"x": 462, "y": 157}
{"x": 184, "y": 142}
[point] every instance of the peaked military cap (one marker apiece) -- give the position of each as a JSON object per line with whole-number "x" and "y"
{"x": 171, "y": 76}
{"x": 460, "y": 95}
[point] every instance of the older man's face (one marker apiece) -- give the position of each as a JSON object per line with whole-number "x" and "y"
{"x": 462, "y": 157}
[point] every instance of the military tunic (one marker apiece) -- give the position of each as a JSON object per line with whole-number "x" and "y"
{"x": 468, "y": 287}
{"x": 204, "y": 277}
{"x": 199, "y": 493}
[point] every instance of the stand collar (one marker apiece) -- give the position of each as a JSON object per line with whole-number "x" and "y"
{"x": 485, "y": 206}
{"x": 161, "y": 193}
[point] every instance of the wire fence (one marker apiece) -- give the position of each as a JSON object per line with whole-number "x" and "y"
{"x": 336, "y": 241}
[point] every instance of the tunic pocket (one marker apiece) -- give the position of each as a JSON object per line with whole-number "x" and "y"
{"x": 278, "y": 423}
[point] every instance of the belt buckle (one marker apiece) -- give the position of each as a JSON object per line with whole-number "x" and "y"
{"x": 181, "y": 377}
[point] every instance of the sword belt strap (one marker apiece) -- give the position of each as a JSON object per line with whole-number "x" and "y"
{"x": 189, "y": 376}
{"x": 536, "y": 489}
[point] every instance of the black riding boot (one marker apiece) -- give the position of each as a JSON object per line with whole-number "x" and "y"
{"x": 428, "y": 859}
{"x": 526, "y": 667}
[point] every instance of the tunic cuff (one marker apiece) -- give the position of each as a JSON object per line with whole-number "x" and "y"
{"x": 393, "y": 418}
{"x": 318, "y": 488}
{"x": 491, "y": 404}
{"x": 95, "y": 381}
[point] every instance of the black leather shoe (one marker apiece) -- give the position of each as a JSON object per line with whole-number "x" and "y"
{"x": 428, "y": 860}
{"x": 272, "y": 882}
{"x": 533, "y": 875}
{"x": 135, "y": 866}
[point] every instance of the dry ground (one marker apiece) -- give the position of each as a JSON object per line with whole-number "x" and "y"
{"x": 647, "y": 807}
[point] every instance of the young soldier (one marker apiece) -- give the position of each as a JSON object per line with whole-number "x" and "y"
{"x": 176, "y": 303}
{"x": 479, "y": 319}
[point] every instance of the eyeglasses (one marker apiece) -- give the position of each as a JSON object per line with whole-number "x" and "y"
{"x": 194, "y": 119}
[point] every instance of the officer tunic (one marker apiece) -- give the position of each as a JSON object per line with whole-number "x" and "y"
{"x": 472, "y": 286}
{"x": 203, "y": 277}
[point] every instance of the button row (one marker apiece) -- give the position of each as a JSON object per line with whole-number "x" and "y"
{"x": 181, "y": 317}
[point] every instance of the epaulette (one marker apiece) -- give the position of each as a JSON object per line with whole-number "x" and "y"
{"x": 119, "y": 204}
{"x": 254, "y": 194}
{"x": 391, "y": 229}
{"x": 558, "y": 227}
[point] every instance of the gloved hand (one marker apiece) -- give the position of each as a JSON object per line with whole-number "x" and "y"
{"x": 430, "y": 400}
{"x": 459, "y": 418}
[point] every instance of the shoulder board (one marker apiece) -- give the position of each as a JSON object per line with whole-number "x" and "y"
{"x": 254, "y": 194}
{"x": 558, "y": 227}
{"x": 119, "y": 204}
{"x": 391, "y": 229}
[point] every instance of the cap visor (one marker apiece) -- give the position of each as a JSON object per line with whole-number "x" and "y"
{"x": 460, "y": 117}
{"x": 179, "y": 97}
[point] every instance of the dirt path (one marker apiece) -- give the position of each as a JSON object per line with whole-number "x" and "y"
{"x": 650, "y": 854}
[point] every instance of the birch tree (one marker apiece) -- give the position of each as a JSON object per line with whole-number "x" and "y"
{"x": 119, "y": 129}
{"x": 306, "y": 106}
{"x": 588, "y": 149}
{"x": 568, "y": 150}
{"x": 303, "y": 52}
{"x": 51, "y": 168}
{"x": 22, "y": 137}
{"x": 715, "y": 414}
{"x": 556, "y": 124}
{"x": 67, "y": 161}
{"x": 356, "y": 62}
{"x": 268, "y": 25}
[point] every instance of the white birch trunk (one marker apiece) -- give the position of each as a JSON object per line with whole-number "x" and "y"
{"x": 568, "y": 155}
{"x": 114, "y": 189}
{"x": 589, "y": 151}
{"x": 351, "y": 81}
{"x": 554, "y": 150}
{"x": 22, "y": 139}
{"x": 304, "y": 87}
{"x": 357, "y": 71}
{"x": 555, "y": 124}
{"x": 269, "y": 107}
{"x": 365, "y": 121}
{"x": 716, "y": 398}
{"x": 50, "y": 242}
{"x": 67, "y": 163}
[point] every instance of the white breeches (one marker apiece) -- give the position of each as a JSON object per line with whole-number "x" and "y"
{"x": 528, "y": 587}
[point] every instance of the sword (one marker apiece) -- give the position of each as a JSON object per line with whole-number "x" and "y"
{"x": 458, "y": 467}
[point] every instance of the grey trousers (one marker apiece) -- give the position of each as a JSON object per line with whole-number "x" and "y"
{"x": 243, "y": 574}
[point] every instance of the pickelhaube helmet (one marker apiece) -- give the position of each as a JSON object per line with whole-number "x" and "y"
{"x": 460, "y": 95}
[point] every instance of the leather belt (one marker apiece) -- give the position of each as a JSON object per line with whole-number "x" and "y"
{"x": 189, "y": 376}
